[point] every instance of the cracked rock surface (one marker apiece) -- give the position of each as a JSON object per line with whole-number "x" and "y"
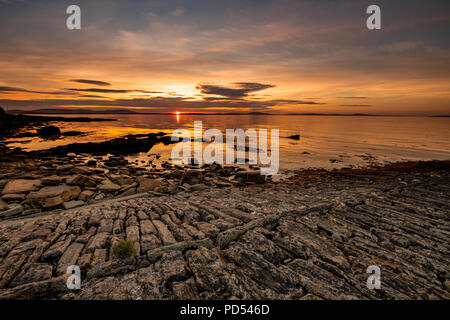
{"x": 312, "y": 237}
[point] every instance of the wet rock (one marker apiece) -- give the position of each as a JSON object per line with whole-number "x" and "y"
{"x": 61, "y": 192}
{"x": 294, "y": 137}
{"x": 48, "y": 132}
{"x": 21, "y": 186}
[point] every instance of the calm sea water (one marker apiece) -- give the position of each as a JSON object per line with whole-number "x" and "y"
{"x": 326, "y": 141}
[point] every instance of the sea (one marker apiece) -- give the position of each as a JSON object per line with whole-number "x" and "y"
{"x": 325, "y": 141}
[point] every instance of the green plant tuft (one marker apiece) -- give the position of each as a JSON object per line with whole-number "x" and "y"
{"x": 123, "y": 249}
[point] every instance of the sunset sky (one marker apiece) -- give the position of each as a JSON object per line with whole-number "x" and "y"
{"x": 227, "y": 56}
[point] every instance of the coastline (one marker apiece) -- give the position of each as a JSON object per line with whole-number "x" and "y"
{"x": 309, "y": 237}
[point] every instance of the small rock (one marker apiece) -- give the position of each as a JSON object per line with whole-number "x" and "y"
{"x": 12, "y": 211}
{"x": 3, "y": 205}
{"x": 72, "y": 204}
{"x": 81, "y": 170}
{"x": 85, "y": 195}
{"x": 197, "y": 187}
{"x": 21, "y": 186}
{"x": 49, "y": 131}
{"x": 52, "y": 180}
{"x": 108, "y": 186}
{"x": 80, "y": 180}
{"x": 294, "y": 137}
{"x": 64, "y": 167}
{"x": 53, "y": 202}
{"x": 146, "y": 184}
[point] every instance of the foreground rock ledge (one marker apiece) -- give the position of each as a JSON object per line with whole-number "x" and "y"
{"x": 312, "y": 238}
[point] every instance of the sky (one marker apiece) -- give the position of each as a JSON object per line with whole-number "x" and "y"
{"x": 280, "y": 56}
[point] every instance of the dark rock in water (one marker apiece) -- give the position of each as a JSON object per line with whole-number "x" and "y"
{"x": 49, "y": 131}
{"x": 294, "y": 137}
{"x": 120, "y": 146}
{"x": 72, "y": 133}
{"x": 91, "y": 163}
{"x": 2, "y": 111}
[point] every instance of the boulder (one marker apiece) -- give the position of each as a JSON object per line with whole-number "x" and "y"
{"x": 21, "y": 186}
{"x": 52, "y": 180}
{"x": 81, "y": 170}
{"x": 2, "y": 111}
{"x": 53, "y": 202}
{"x": 147, "y": 184}
{"x": 3, "y": 205}
{"x": 62, "y": 192}
{"x": 80, "y": 180}
{"x": 49, "y": 131}
{"x": 294, "y": 137}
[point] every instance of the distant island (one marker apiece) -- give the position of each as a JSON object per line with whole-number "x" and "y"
{"x": 122, "y": 111}
{"x": 125, "y": 111}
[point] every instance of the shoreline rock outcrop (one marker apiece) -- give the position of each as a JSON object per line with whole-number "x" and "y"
{"x": 311, "y": 237}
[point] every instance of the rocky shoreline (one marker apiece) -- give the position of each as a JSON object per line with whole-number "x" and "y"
{"x": 311, "y": 237}
{"x": 42, "y": 181}
{"x": 19, "y": 125}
